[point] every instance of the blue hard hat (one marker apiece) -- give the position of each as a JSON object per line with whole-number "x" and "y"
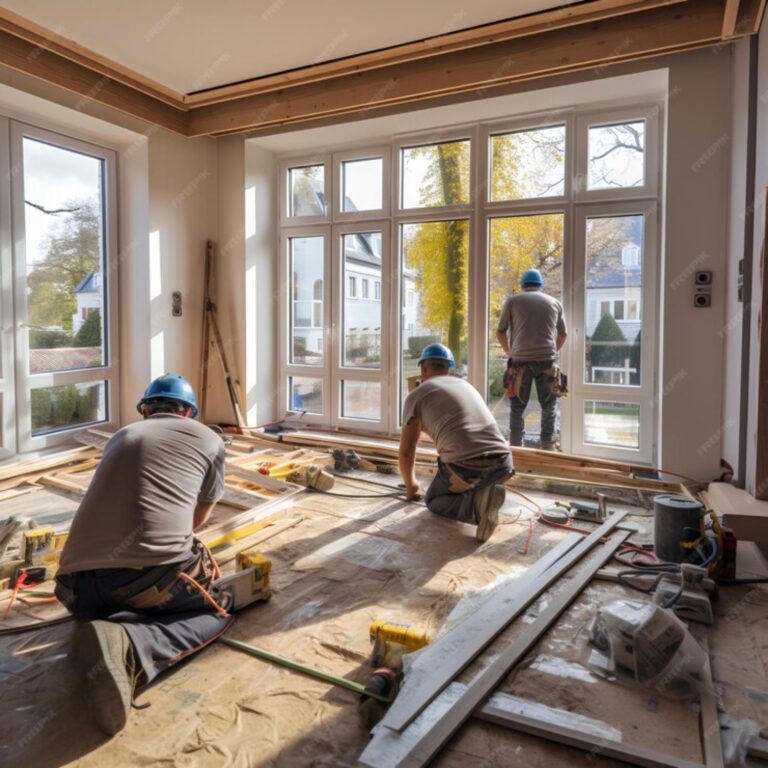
{"x": 437, "y": 352}
{"x": 170, "y": 386}
{"x": 532, "y": 277}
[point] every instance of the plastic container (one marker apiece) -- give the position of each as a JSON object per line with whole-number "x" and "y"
{"x": 676, "y": 519}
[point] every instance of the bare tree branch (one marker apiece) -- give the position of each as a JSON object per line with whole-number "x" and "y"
{"x": 52, "y": 211}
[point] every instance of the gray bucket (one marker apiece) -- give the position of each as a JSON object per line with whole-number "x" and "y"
{"x": 672, "y": 515}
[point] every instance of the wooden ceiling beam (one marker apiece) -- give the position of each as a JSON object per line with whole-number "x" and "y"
{"x": 49, "y": 40}
{"x": 24, "y": 56}
{"x": 558, "y": 18}
{"x": 657, "y": 31}
{"x": 748, "y": 19}
{"x": 730, "y": 16}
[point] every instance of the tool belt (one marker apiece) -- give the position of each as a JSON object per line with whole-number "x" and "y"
{"x": 515, "y": 374}
{"x": 199, "y": 567}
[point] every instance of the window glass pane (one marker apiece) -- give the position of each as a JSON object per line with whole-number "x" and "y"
{"x": 306, "y": 270}
{"x": 616, "y": 155}
{"x": 306, "y": 191}
{"x": 616, "y": 425}
{"x": 436, "y": 174}
{"x": 613, "y": 339}
{"x": 64, "y": 225}
{"x": 361, "y": 400}
{"x": 434, "y": 291}
{"x": 67, "y": 405}
{"x": 362, "y": 185}
{"x": 305, "y": 394}
{"x": 362, "y": 314}
{"x": 528, "y": 164}
{"x": 517, "y": 243}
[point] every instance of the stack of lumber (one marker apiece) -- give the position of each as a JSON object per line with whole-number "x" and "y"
{"x": 253, "y": 497}
{"x": 528, "y": 462}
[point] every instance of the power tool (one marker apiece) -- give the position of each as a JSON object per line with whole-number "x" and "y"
{"x": 248, "y": 584}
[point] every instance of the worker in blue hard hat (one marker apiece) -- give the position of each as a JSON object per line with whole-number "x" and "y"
{"x": 531, "y": 332}
{"x": 131, "y": 570}
{"x": 473, "y": 456}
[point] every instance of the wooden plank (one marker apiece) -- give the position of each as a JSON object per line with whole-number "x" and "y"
{"x": 747, "y": 516}
{"x": 24, "y": 56}
{"x": 508, "y": 29}
{"x": 623, "y": 38}
{"x": 63, "y": 484}
{"x": 750, "y": 17}
{"x": 28, "y": 467}
{"x": 730, "y": 14}
{"x": 437, "y": 665}
{"x": 245, "y": 524}
{"x": 761, "y": 418}
{"x": 265, "y": 481}
{"x": 419, "y": 743}
{"x": 506, "y": 710}
{"x": 710, "y": 722}
{"x": 50, "y": 40}
{"x": 249, "y": 540}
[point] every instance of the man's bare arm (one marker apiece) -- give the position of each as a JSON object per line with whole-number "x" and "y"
{"x": 504, "y": 341}
{"x": 409, "y": 439}
{"x": 201, "y": 515}
{"x": 561, "y": 341}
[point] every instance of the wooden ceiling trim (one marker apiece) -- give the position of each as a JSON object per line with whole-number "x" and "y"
{"x": 558, "y": 18}
{"x": 49, "y": 40}
{"x": 25, "y": 56}
{"x": 661, "y": 30}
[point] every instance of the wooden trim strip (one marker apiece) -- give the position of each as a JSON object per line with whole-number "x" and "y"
{"x": 440, "y": 663}
{"x": 509, "y": 29}
{"x": 46, "y": 39}
{"x": 437, "y": 664}
{"x": 419, "y": 743}
{"x": 730, "y": 15}
{"x": 44, "y": 64}
{"x": 668, "y": 29}
{"x": 501, "y": 710}
{"x": 750, "y": 16}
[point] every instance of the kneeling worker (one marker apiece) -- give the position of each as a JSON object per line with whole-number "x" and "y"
{"x": 131, "y": 569}
{"x": 473, "y": 456}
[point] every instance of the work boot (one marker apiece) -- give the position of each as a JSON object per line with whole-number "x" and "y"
{"x": 488, "y": 502}
{"x": 106, "y": 661}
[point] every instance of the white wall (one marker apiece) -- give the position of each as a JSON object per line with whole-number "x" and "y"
{"x": 696, "y": 227}
{"x": 183, "y": 215}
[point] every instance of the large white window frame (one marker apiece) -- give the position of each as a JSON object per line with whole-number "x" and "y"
{"x": 108, "y": 372}
{"x": 574, "y": 204}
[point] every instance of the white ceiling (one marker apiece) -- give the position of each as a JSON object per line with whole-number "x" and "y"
{"x": 192, "y": 45}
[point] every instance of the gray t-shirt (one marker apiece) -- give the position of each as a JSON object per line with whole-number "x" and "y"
{"x": 139, "y": 507}
{"x": 532, "y": 321}
{"x": 454, "y": 415}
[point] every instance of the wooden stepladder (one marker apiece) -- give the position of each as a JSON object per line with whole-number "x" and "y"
{"x": 212, "y": 337}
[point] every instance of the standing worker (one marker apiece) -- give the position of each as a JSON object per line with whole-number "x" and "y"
{"x": 473, "y": 456}
{"x": 131, "y": 570}
{"x": 531, "y": 332}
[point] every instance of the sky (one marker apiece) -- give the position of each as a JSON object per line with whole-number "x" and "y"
{"x": 53, "y": 177}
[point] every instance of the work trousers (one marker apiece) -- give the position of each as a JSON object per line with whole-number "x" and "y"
{"x": 452, "y": 491}
{"x": 533, "y": 372}
{"x": 166, "y": 618}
